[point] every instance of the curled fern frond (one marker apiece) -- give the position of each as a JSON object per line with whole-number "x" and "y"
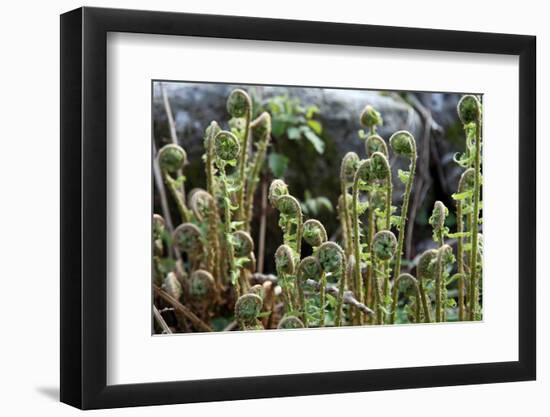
{"x": 257, "y": 289}
{"x": 284, "y": 260}
{"x": 437, "y": 221}
{"x": 364, "y": 171}
{"x": 210, "y": 133}
{"x": 171, "y": 158}
{"x": 243, "y": 244}
{"x": 395, "y": 294}
{"x": 239, "y": 103}
{"x": 226, "y": 145}
{"x": 158, "y": 225}
{"x": 288, "y": 205}
{"x": 201, "y": 203}
{"x": 371, "y": 118}
{"x": 425, "y": 269}
{"x": 467, "y": 179}
{"x": 309, "y": 268}
{"x": 172, "y": 286}
{"x": 248, "y": 308}
{"x": 314, "y": 232}
{"x": 375, "y": 143}
{"x": 331, "y": 257}
{"x": 444, "y": 257}
{"x": 261, "y": 127}
{"x": 277, "y": 189}
{"x": 384, "y": 245}
{"x": 291, "y": 322}
{"x": 468, "y": 109}
{"x": 403, "y": 144}
{"x": 201, "y": 284}
{"x": 158, "y": 231}
{"x": 439, "y": 213}
{"x": 407, "y": 277}
{"x": 348, "y": 167}
{"x": 380, "y": 167}
{"x": 257, "y": 325}
{"x": 187, "y": 237}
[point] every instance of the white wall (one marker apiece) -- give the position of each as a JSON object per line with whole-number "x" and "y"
{"x": 29, "y": 165}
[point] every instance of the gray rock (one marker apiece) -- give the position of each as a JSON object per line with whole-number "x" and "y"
{"x": 195, "y": 105}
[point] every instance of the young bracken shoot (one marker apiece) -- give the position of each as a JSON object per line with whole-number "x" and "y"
{"x": 205, "y": 269}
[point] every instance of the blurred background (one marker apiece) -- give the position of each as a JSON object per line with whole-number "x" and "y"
{"x": 313, "y": 128}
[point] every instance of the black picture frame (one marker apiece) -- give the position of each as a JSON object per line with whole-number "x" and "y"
{"x": 84, "y": 207}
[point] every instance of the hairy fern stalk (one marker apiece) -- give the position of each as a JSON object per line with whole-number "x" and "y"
{"x": 205, "y": 267}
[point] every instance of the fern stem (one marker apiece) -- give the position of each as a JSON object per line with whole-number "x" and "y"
{"x": 371, "y": 270}
{"x": 460, "y": 250}
{"x": 356, "y": 242}
{"x": 402, "y": 223}
{"x": 425, "y": 304}
{"x": 346, "y": 220}
{"x": 388, "y": 202}
{"x": 242, "y": 166}
{"x": 230, "y": 251}
{"x": 403, "y": 220}
{"x": 341, "y": 287}
{"x": 178, "y": 198}
{"x": 440, "y": 284}
{"x": 377, "y": 296}
{"x": 322, "y": 300}
{"x": 386, "y": 265}
{"x": 302, "y": 306}
{"x": 475, "y": 221}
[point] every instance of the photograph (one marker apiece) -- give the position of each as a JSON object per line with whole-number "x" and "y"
{"x": 288, "y": 207}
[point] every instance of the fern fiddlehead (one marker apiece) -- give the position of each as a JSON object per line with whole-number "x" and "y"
{"x": 437, "y": 221}
{"x": 333, "y": 260}
{"x": 347, "y": 173}
{"x": 227, "y": 148}
{"x": 239, "y": 105}
{"x": 425, "y": 272}
{"x": 285, "y": 265}
{"x": 403, "y": 144}
{"x": 384, "y": 246}
{"x": 247, "y": 309}
{"x": 395, "y": 295}
{"x": 171, "y": 159}
{"x": 308, "y": 268}
{"x": 187, "y": 237}
{"x": 261, "y": 134}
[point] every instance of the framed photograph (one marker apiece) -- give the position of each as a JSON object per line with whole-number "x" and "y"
{"x": 258, "y": 208}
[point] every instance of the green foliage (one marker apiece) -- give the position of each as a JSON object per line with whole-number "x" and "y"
{"x": 314, "y": 206}
{"x": 293, "y": 121}
{"x": 278, "y": 164}
{"x": 208, "y": 261}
